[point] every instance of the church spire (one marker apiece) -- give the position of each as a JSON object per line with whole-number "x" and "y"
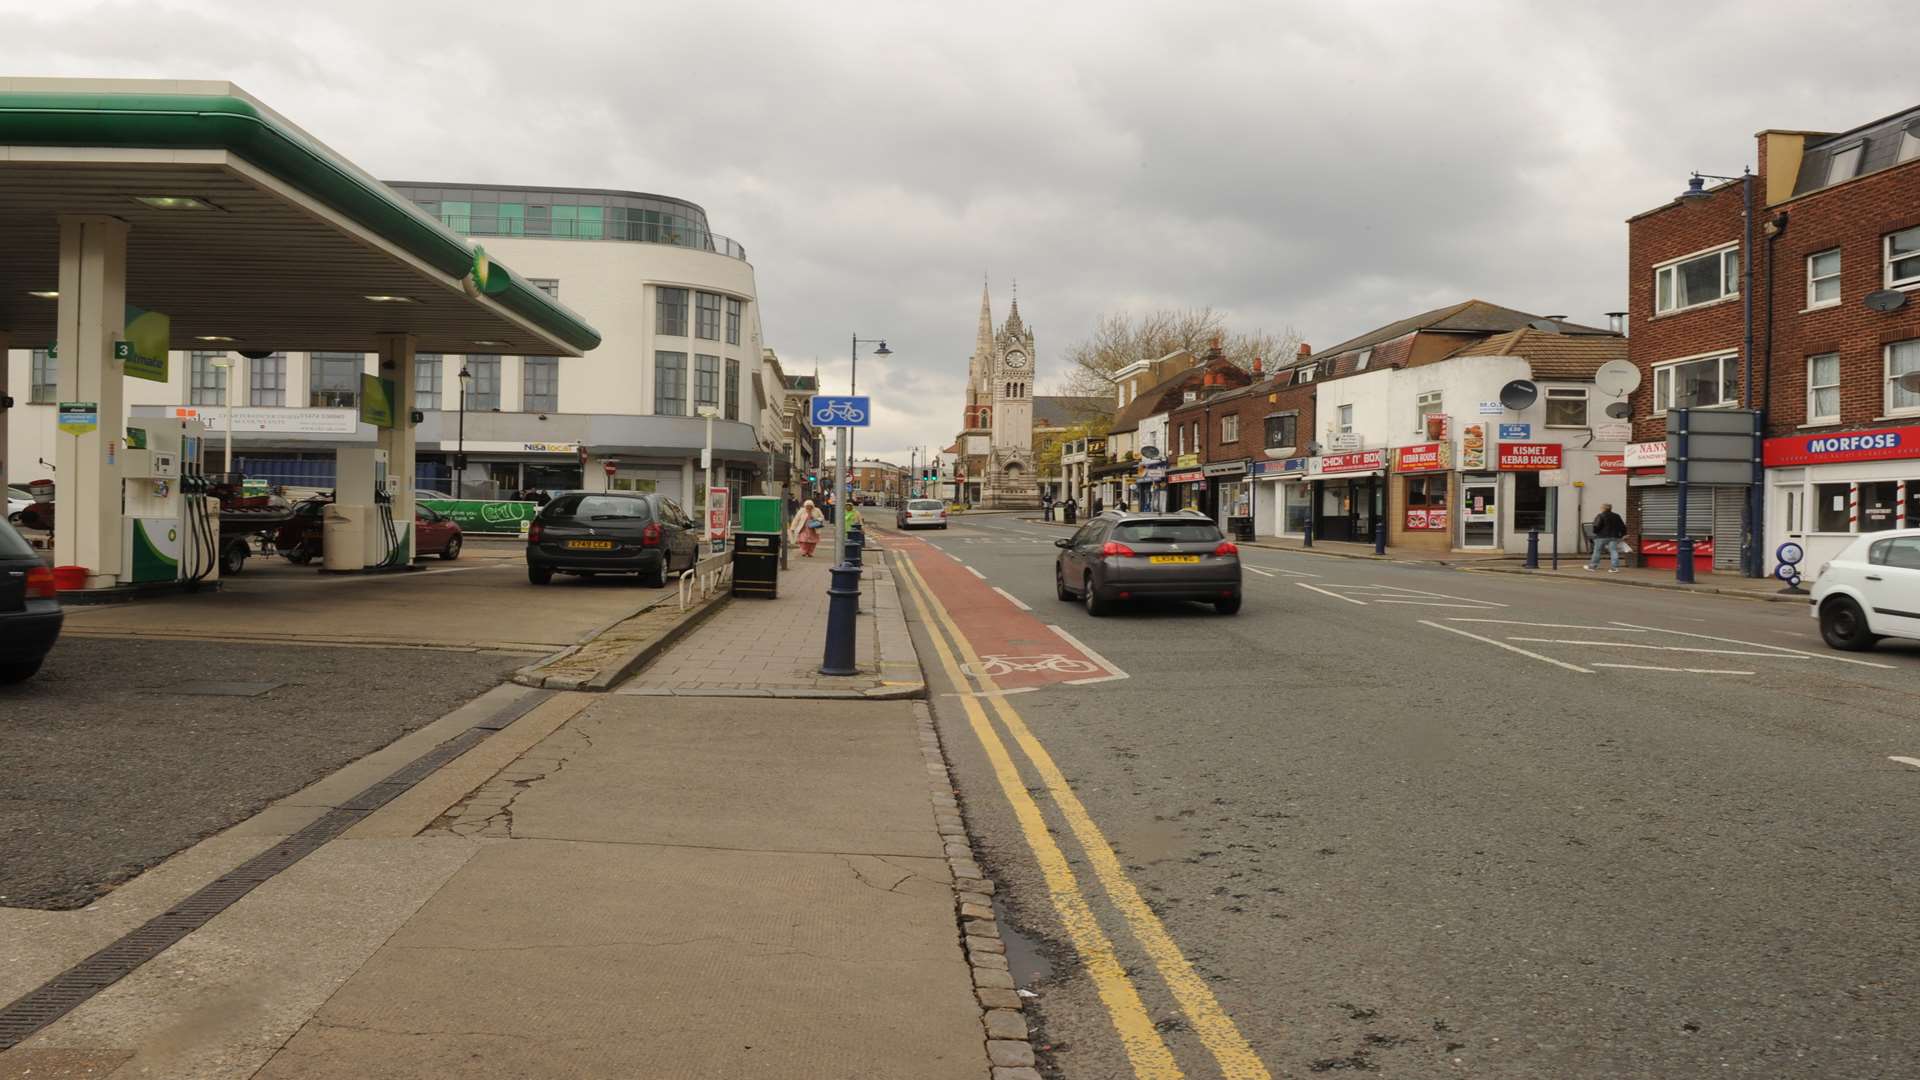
{"x": 983, "y": 344}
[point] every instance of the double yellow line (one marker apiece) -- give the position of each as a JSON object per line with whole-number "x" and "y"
{"x": 1145, "y": 1048}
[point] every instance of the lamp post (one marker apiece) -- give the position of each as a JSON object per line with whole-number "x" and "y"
{"x": 707, "y": 413}
{"x": 460, "y": 455}
{"x": 225, "y": 364}
{"x": 853, "y": 387}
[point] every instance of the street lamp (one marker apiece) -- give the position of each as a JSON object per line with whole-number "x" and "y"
{"x": 853, "y": 387}
{"x": 708, "y": 413}
{"x": 460, "y": 455}
{"x": 225, "y": 364}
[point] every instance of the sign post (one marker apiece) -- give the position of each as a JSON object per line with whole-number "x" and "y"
{"x": 843, "y": 604}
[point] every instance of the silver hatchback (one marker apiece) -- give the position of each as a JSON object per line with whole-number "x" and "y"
{"x": 1130, "y": 555}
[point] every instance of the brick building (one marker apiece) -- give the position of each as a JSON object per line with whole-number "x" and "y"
{"x": 1227, "y": 436}
{"x": 1837, "y": 224}
{"x": 1141, "y": 424}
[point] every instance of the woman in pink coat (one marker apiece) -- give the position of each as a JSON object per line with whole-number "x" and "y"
{"x": 805, "y": 528}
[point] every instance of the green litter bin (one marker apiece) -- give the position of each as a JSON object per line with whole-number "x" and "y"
{"x": 762, "y": 514}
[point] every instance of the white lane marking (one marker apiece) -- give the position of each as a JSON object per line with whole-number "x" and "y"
{"x": 1012, "y": 599}
{"x": 1687, "y": 670}
{"x": 974, "y": 572}
{"x": 954, "y": 557}
{"x": 1758, "y": 645}
{"x": 1915, "y": 762}
{"x": 1335, "y": 595}
{"x": 1377, "y": 591}
{"x": 1257, "y": 570}
{"x": 1657, "y": 648}
{"x": 1548, "y": 625}
{"x": 1509, "y": 648}
{"x": 1281, "y": 570}
{"x": 1113, "y": 672}
{"x": 1432, "y": 603}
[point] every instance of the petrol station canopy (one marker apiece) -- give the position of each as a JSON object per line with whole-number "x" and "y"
{"x": 248, "y": 233}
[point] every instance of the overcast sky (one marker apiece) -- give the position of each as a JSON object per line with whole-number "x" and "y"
{"x": 1321, "y": 166}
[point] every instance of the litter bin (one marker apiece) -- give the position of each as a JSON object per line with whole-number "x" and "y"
{"x": 1241, "y": 528}
{"x": 756, "y": 564}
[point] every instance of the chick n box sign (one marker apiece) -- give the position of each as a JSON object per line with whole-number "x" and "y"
{"x": 1529, "y": 456}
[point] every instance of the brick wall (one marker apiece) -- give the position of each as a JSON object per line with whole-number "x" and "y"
{"x": 1654, "y": 238}
{"x": 1252, "y": 407}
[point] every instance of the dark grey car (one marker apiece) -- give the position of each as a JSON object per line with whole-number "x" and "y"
{"x": 1130, "y": 555}
{"x": 29, "y": 609}
{"x": 611, "y": 533}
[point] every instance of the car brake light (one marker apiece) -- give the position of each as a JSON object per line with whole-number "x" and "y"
{"x": 534, "y": 531}
{"x": 40, "y": 584}
{"x": 650, "y": 536}
{"x": 1226, "y": 548}
{"x": 1114, "y": 547}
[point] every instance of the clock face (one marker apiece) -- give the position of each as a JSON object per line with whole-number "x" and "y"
{"x": 1016, "y": 361}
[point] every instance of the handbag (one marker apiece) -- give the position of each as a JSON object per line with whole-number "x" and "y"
{"x": 815, "y": 523}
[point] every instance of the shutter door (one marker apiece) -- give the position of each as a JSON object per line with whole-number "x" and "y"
{"x": 1660, "y": 513}
{"x": 1729, "y": 523}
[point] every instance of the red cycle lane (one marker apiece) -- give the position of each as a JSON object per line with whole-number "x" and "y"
{"x": 1016, "y": 649}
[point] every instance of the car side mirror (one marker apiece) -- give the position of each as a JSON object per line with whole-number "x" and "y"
{"x": 1064, "y": 543}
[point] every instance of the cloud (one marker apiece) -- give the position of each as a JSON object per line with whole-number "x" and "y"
{"x": 1319, "y": 166}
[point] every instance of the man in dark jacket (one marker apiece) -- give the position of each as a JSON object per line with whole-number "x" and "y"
{"x": 1609, "y": 532}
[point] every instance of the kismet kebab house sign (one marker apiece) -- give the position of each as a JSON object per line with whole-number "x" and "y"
{"x": 1880, "y": 444}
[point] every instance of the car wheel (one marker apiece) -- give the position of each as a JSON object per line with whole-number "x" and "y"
{"x": 300, "y": 556}
{"x": 19, "y": 671}
{"x": 452, "y": 550}
{"x": 1060, "y": 586}
{"x": 1844, "y": 626}
{"x": 233, "y": 559}
{"x": 655, "y": 578}
{"x": 1097, "y": 605}
{"x": 539, "y": 575}
{"x": 1228, "y": 606}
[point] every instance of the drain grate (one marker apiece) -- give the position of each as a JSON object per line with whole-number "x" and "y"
{"x": 66, "y": 991}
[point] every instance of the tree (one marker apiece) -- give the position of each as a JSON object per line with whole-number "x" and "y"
{"x": 1119, "y": 338}
{"x": 1047, "y": 453}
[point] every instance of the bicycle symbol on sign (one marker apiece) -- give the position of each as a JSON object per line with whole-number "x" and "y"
{"x": 843, "y": 410}
{"x": 993, "y": 664}
{"x": 833, "y": 411}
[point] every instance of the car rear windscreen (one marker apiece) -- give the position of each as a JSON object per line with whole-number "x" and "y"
{"x": 1166, "y": 532}
{"x": 597, "y": 506}
{"x": 924, "y": 504}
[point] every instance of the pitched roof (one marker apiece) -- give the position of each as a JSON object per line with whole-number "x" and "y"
{"x": 1150, "y": 400}
{"x": 1060, "y": 412}
{"x": 1465, "y": 317}
{"x": 1552, "y": 356}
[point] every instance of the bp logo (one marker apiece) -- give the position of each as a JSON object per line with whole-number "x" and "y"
{"x": 173, "y": 535}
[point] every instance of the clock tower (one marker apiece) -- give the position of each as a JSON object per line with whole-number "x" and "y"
{"x": 999, "y": 437}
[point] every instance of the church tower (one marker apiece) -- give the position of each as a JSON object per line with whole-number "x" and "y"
{"x": 996, "y": 439}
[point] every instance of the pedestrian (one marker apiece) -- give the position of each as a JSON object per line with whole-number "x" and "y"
{"x": 1099, "y": 504}
{"x": 805, "y": 528}
{"x": 1046, "y": 504}
{"x": 793, "y": 506}
{"x": 1609, "y": 535}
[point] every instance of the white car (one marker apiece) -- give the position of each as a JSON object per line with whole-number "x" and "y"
{"x": 17, "y": 500}
{"x": 1870, "y": 590}
{"x": 931, "y": 513}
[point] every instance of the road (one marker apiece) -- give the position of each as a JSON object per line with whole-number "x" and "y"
{"x": 1416, "y": 821}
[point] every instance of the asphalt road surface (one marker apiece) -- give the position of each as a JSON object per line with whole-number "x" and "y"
{"x": 1414, "y": 822}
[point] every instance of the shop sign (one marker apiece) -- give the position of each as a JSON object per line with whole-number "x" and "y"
{"x": 1097, "y": 446}
{"x": 1426, "y": 520}
{"x": 1880, "y": 444}
{"x": 1226, "y": 468}
{"x": 1613, "y": 430}
{"x": 1644, "y": 455}
{"x": 485, "y": 515}
{"x": 1473, "y": 447}
{"x": 1613, "y": 464}
{"x": 1189, "y": 476}
{"x": 1155, "y": 471}
{"x": 1423, "y": 457}
{"x": 1529, "y": 457}
{"x": 1516, "y": 432}
{"x": 1284, "y": 466}
{"x": 1345, "y": 441}
{"x": 274, "y": 419}
{"x": 551, "y": 447}
{"x": 1363, "y": 461}
{"x": 1491, "y": 408}
{"x": 1187, "y": 461}
{"x": 1439, "y": 426}
{"x": 78, "y": 417}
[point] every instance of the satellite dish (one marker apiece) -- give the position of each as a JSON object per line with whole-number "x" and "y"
{"x": 1546, "y": 326}
{"x": 1619, "y": 410}
{"x": 1313, "y": 448}
{"x": 1616, "y": 378}
{"x": 1519, "y": 394}
{"x": 256, "y": 354}
{"x": 1151, "y": 453}
{"x": 1910, "y": 382}
{"x": 1886, "y": 300}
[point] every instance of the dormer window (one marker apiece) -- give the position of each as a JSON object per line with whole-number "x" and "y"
{"x": 1306, "y": 373}
{"x": 1844, "y": 164}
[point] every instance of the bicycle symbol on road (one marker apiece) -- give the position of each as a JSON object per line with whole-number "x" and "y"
{"x": 993, "y": 664}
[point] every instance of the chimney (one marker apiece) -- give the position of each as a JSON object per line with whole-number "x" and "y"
{"x": 1306, "y": 350}
{"x": 1617, "y": 322}
{"x": 1256, "y": 367}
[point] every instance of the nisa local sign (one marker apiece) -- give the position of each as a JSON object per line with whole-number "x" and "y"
{"x": 1879, "y": 444}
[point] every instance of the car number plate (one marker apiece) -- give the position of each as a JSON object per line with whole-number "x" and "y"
{"x": 1174, "y": 558}
{"x": 591, "y": 545}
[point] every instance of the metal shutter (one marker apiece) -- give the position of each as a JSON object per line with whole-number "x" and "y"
{"x": 1660, "y": 513}
{"x": 1729, "y": 523}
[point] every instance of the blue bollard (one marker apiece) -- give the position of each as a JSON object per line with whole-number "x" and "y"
{"x": 843, "y": 609}
{"x": 1306, "y": 533}
{"x": 1533, "y": 549}
{"x": 1380, "y": 537}
{"x": 1683, "y": 561}
{"x": 856, "y": 546}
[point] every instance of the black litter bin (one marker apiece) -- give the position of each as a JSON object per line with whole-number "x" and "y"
{"x": 1241, "y": 528}
{"x": 756, "y": 564}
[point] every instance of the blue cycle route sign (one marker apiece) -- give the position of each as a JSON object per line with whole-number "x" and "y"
{"x": 835, "y": 411}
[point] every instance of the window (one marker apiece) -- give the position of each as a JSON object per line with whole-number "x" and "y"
{"x": 267, "y": 380}
{"x": 1306, "y": 374}
{"x": 333, "y": 380}
{"x": 550, "y": 286}
{"x": 1196, "y": 436}
{"x": 1823, "y": 389}
{"x": 1360, "y": 362}
{"x": 1823, "y": 278}
{"x": 707, "y": 316}
{"x": 734, "y": 309}
{"x": 1427, "y": 492}
{"x": 1567, "y": 406}
{"x": 1879, "y": 502}
{"x": 427, "y": 373}
{"x": 1903, "y": 258}
{"x": 1529, "y": 502}
{"x": 209, "y": 381}
{"x": 670, "y": 312}
{"x": 539, "y": 384}
{"x": 1902, "y": 552}
{"x": 1830, "y": 508}
{"x": 44, "y": 388}
{"x": 1345, "y": 424}
{"x": 1427, "y": 404}
{"x": 483, "y": 390}
{"x": 1702, "y": 384}
{"x": 1230, "y": 429}
{"x": 1843, "y": 164}
{"x": 1283, "y": 431}
{"x": 670, "y": 384}
{"x": 1696, "y": 280}
{"x": 1910, "y": 143}
{"x": 706, "y": 381}
{"x": 1903, "y": 358}
{"x": 733, "y": 390}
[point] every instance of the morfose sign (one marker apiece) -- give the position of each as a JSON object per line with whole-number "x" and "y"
{"x": 1881, "y": 444}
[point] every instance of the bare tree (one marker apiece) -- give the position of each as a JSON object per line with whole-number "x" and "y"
{"x": 1120, "y": 338}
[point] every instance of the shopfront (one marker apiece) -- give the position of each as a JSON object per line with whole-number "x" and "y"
{"x": 1186, "y": 489}
{"x": 1229, "y": 491}
{"x": 1418, "y": 510}
{"x": 1716, "y": 514}
{"x": 1349, "y": 495}
{"x": 1824, "y": 490}
{"x": 1283, "y": 503}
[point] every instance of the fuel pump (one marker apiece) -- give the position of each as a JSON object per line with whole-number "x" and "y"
{"x": 171, "y": 529}
{"x": 359, "y": 526}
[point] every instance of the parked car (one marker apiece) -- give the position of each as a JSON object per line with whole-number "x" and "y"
{"x": 918, "y": 512}
{"x": 17, "y": 500}
{"x": 1121, "y": 555}
{"x": 434, "y": 533}
{"x": 29, "y": 608}
{"x": 1870, "y": 590}
{"x": 612, "y": 532}
{"x": 302, "y": 539}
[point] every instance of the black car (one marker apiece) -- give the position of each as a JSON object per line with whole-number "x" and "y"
{"x": 29, "y": 608}
{"x": 1129, "y": 556}
{"x": 611, "y": 532}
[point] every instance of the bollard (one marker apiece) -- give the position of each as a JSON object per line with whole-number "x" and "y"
{"x": 1380, "y": 537}
{"x": 1306, "y": 533}
{"x": 856, "y": 546}
{"x": 1533, "y": 549}
{"x": 1683, "y": 561}
{"x": 843, "y": 609}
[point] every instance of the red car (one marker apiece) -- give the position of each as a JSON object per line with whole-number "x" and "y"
{"x": 302, "y": 539}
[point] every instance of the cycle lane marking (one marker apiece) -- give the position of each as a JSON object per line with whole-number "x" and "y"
{"x": 1012, "y": 599}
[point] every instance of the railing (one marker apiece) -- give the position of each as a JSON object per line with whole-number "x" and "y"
{"x": 705, "y": 577}
{"x": 643, "y": 232}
